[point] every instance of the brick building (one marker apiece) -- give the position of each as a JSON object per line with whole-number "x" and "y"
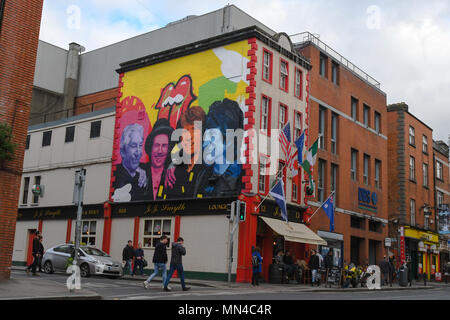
{"x": 412, "y": 188}
{"x": 348, "y": 115}
{"x": 18, "y": 47}
{"x": 442, "y": 192}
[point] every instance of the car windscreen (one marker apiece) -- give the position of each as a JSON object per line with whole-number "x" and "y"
{"x": 94, "y": 252}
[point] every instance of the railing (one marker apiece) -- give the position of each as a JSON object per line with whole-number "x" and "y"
{"x": 66, "y": 113}
{"x": 303, "y": 37}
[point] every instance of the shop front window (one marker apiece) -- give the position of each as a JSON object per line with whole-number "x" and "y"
{"x": 89, "y": 232}
{"x": 154, "y": 229}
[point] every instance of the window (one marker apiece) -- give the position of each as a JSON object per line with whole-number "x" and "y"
{"x": 439, "y": 170}
{"x": 95, "y": 129}
{"x": 297, "y": 125}
{"x": 265, "y": 114}
{"x": 154, "y": 229}
{"x": 322, "y": 117}
{"x": 26, "y": 186}
{"x": 366, "y": 169}
{"x": 334, "y": 126}
{"x": 354, "y": 109}
{"x": 354, "y": 164}
{"x": 284, "y": 75}
{"x": 412, "y": 137}
{"x": 264, "y": 167}
{"x": 46, "y": 138}
{"x": 334, "y": 180}
{"x": 70, "y": 134}
{"x": 356, "y": 222}
{"x": 374, "y": 226}
{"x": 282, "y": 116}
{"x": 412, "y": 169}
{"x": 323, "y": 65}
{"x": 88, "y": 232}
{"x": 267, "y": 66}
{"x": 298, "y": 83}
{"x": 366, "y": 115}
{"x": 377, "y": 122}
{"x": 425, "y": 175}
{"x": 424, "y": 144}
{"x": 335, "y": 72}
{"x": 412, "y": 211}
{"x": 321, "y": 182}
{"x": 37, "y": 181}
{"x": 377, "y": 174}
{"x": 294, "y": 191}
{"x": 27, "y": 142}
{"x": 440, "y": 199}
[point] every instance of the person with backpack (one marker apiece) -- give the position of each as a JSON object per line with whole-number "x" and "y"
{"x": 256, "y": 266}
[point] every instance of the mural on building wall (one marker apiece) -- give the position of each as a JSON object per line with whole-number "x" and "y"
{"x": 444, "y": 220}
{"x": 207, "y": 88}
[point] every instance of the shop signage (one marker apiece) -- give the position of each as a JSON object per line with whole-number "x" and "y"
{"x": 60, "y": 213}
{"x": 367, "y": 200}
{"x": 270, "y": 209}
{"x": 387, "y": 242}
{"x": 208, "y": 206}
{"x": 402, "y": 245}
{"x": 444, "y": 220}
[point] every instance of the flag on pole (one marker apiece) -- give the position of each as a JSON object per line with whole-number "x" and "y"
{"x": 300, "y": 142}
{"x": 285, "y": 141}
{"x": 278, "y": 193}
{"x": 311, "y": 157}
{"x": 328, "y": 207}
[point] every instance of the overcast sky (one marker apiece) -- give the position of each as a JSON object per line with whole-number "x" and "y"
{"x": 404, "y": 44}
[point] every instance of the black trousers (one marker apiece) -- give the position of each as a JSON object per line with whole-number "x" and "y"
{"x": 36, "y": 260}
{"x": 255, "y": 278}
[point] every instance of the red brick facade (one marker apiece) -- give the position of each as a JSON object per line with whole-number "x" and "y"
{"x": 19, "y": 34}
{"x": 350, "y": 135}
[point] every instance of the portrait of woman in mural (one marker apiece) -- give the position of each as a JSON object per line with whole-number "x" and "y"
{"x": 158, "y": 146}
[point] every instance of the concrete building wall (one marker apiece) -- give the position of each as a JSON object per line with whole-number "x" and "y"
{"x": 121, "y": 231}
{"x": 53, "y": 233}
{"x": 21, "y": 239}
{"x": 50, "y": 60}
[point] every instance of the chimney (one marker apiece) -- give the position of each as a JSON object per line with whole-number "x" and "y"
{"x": 72, "y": 72}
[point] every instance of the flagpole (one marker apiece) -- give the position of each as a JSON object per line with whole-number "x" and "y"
{"x": 277, "y": 178}
{"x": 321, "y": 206}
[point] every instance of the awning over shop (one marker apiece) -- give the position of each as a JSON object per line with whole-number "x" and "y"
{"x": 295, "y": 232}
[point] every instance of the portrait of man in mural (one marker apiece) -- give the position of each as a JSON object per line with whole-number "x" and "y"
{"x": 130, "y": 175}
{"x": 158, "y": 146}
{"x": 188, "y": 175}
{"x": 222, "y": 162}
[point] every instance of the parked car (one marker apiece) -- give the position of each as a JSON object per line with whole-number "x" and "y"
{"x": 92, "y": 261}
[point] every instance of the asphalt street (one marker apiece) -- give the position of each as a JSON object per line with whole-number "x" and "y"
{"x": 117, "y": 289}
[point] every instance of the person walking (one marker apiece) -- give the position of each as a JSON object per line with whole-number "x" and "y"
{"x": 314, "y": 266}
{"x": 35, "y": 253}
{"x": 385, "y": 269}
{"x": 176, "y": 263}
{"x": 159, "y": 261}
{"x": 127, "y": 257}
{"x": 256, "y": 266}
{"x": 391, "y": 271}
{"x": 139, "y": 260}
{"x": 41, "y": 253}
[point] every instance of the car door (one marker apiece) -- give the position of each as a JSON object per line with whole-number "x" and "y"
{"x": 61, "y": 254}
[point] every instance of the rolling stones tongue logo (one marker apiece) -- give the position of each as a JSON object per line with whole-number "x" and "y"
{"x": 175, "y": 100}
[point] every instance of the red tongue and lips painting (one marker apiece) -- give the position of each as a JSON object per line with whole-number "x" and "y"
{"x": 175, "y": 100}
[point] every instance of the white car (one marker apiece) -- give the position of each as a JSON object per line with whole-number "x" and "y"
{"x": 92, "y": 261}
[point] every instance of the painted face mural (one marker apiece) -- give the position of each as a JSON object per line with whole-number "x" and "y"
{"x": 206, "y": 88}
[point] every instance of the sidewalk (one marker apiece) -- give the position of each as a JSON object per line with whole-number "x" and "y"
{"x": 35, "y": 288}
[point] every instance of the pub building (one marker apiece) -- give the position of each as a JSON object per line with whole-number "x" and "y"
{"x": 197, "y": 81}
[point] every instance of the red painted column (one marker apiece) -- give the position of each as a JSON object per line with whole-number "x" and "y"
{"x": 176, "y": 234}
{"x": 135, "y": 234}
{"x": 69, "y": 230}
{"x": 247, "y": 239}
{"x": 40, "y": 226}
{"x": 267, "y": 254}
{"x": 106, "y": 244}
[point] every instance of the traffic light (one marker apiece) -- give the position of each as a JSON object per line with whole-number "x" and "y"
{"x": 231, "y": 208}
{"x": 242, "y": 209}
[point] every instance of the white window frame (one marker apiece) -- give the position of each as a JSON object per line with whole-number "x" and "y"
{"x": 334, "y": 132}
{"x": 266, "y": 63}
{"x": 298, "y": 83}
{"x": 322, "y": 120}
{"x": 440, "y": 199}
{"x": 89, "y": 235}
{"x": 425, "y": 174}
{"x": 412, "y": 211}
{"x": 366, "y": 168}
{"x": 321, "y": 180}
{"x": 265, "y": 105}
{"x": 412, "y": 136}
{"x": 424, "y": 144}
{"x": 377, "y": 174}
{"x": 412, "y": 168}
{"x": 353, "y": 164}
{"x": 263, "y": 160}
{"x": 147, "y": 236}
{"x": 284, "y": 75}
{"x": 439, "y": 170}
{"x": 282, "y": 115}
{"x": 297, "y": 125}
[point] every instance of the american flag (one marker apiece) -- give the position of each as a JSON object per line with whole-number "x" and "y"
{"x": 285, "y": 141}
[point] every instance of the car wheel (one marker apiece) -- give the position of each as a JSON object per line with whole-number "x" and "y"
{"x": 48, "y": 267}
{"x": 84, "y": 270}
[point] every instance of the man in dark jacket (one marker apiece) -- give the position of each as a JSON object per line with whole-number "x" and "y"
{"x": 314, "y": 266}
{"x": 139, "y": 260}
{"x": 127, "y": 256}
{"x": 384, "y": 268}
{"x": 35, "y": 252}
{"x": 159, "y": 260}
{"x": 176, "y": 263}
{"x": 41, "y": 253}
{"x": 291, "y": 267}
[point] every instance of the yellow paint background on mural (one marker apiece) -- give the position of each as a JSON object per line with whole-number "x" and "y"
{"x": 146, "y": 83}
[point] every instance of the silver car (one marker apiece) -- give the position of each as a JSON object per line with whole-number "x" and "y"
{"x": 92, "y": 261}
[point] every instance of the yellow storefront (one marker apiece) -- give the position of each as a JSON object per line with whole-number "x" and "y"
{"x": 428, "y": 251}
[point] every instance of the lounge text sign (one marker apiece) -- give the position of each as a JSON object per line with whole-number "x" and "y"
{"x": 270, "y": 209}
{"x": 215, "y": 206}
{"x": 60, "y": 213}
